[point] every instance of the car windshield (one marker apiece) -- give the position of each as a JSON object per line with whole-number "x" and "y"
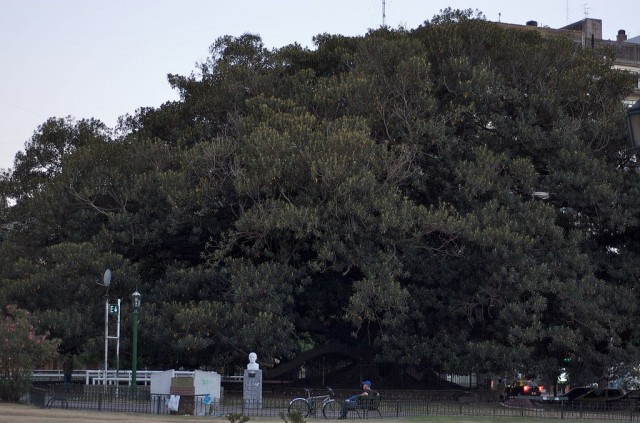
{"x": 576, "y": 392}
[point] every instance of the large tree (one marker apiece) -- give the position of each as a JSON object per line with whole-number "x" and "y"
{"x": 458, "y": 196}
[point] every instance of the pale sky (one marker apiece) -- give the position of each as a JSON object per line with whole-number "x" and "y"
{"x": 106, "y": 58}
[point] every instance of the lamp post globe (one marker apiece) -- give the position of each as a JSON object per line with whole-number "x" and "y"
{"x": 136, "y": 299}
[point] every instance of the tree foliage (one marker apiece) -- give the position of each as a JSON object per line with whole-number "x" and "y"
{"x": 458, "y": 197}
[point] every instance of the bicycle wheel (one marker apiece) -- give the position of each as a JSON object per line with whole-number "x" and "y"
{"x": 301, "y": 405}
{"x": 332, "y": 409}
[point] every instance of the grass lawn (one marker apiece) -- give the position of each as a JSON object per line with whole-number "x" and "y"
{"x": 19, "y": 413}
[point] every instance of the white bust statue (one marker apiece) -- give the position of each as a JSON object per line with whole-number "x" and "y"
{"x": 252, "y": 362}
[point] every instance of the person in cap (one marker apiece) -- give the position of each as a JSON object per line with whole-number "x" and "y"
{"x": 351, "y": 402}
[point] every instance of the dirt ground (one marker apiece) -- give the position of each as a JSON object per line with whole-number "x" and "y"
{"x": 19, "y": 413}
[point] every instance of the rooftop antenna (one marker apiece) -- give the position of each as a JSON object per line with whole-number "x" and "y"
{"x": 384, "y": 15}
{"x": 567, "y": 12}
{"x": 586, "y": 10}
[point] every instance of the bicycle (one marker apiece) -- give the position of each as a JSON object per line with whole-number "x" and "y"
{"x": 331, "y": 408}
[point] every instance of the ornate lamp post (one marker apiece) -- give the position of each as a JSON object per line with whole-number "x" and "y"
{"x": 633, "y": 117}
{"x": 136, "y": 298}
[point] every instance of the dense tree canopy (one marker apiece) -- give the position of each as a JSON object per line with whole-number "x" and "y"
{"x": 458, "y": 196}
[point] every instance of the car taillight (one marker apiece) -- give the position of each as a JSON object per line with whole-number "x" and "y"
{"x": 541, "y": 388}
{"x": 526, "y": 388}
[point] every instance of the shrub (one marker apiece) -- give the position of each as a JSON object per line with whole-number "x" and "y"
{"x": 292, "y": 417}
{"x": 21, "y": 349}
{"x": 237, "y": 418}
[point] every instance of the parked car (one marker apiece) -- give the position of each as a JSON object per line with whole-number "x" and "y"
{"x": 575, "y": 393}
{"x": 524, "y": 387}
{"x": 600, "y": 398}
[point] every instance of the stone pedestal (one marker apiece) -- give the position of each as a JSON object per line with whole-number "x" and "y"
{"x": 252, "y": 388}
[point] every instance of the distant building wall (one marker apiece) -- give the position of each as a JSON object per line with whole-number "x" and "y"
{"x": 588, "y": 32}
{"x": 588, "y": 27}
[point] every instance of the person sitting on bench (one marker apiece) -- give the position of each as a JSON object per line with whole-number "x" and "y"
{"x": 351, "y": 403}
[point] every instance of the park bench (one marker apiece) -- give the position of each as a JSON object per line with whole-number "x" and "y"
{"x": 63, "y": 393}
{"x": 365, "y": 405}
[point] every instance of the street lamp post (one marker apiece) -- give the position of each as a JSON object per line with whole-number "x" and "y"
{"x": 136, "y": 298}
{"x": 633, "y": 117}
{"x": 106, "y": 281}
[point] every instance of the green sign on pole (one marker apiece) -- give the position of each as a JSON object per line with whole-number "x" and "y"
{"x": 113, "y": 308}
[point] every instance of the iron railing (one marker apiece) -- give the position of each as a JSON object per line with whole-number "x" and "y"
{"x": 393, "y": 404}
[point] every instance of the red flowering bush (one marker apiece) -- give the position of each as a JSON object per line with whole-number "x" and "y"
{"x": 21, "y": 349}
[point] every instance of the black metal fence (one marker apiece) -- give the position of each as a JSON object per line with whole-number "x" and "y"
{"x": 393, "y": 404}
